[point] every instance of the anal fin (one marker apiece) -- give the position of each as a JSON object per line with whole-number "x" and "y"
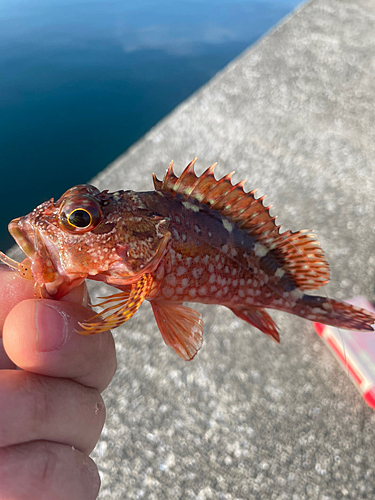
{"x": 181, "y": 327}
{"x": 258, "y": 317}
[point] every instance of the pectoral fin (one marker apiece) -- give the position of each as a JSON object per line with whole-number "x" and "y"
{"x": 259, "y": 318}
{"x": 123, "y": 305}
{"x": 181, "y": 328}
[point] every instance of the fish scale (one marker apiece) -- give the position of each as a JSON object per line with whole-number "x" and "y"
{"x": 192, "y": 239}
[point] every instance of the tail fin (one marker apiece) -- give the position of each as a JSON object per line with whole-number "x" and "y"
{"x": 334, "y": 313}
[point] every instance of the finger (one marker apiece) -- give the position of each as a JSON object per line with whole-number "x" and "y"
{"x": 42, "y": 469}
{"x": 5, "y": 362}
{"x": 51, "y": 409}
{"x": 13, "y": 289}
{"x": 40, "y": 336}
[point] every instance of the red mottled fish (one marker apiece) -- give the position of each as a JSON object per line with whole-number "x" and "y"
{"x": 193, "y": 239}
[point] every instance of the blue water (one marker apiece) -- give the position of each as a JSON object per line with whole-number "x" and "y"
{"x": 81, "y": 80}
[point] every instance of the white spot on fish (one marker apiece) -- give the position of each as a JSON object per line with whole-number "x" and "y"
{"x": 249, "y": 300}
{"x": 192, "y": 292}
{"x": 183, "y": 236}
{"x": 233, "y": 252}
{"x": 212, "y": 279}
{"x": 172, "y": 253}
{"x": 260, "y": 250}
{"x": 171, "y": 279}
{"x": 228, "y": 226}
{"x": 316, "y": 310}
{"x": 213, "y": 289}
{"x": 279, "y": 272}
{"x": 205, "y": 260}
{"x": 202, "y": 290}
{"x": 168, "y": 292}
{"x": 234, "y": 272}
{"x": 242, "y": 282}
{"x": 197, "y": 272}
{"x": 211, "y": 268}
{"x": 181, "y": 270}
{"x": 297, "y": 294}
{"x": 190, "y": 206}
{"x": 226, "y": 269}
{"x": 225, "y": 248}
{"x": 241, "y": 293}
{"x": 197, "y": 229}
{"x": 235, "y": 283}
{"x": 184, "y": 282}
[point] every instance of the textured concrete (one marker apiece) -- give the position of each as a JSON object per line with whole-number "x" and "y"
{"x": 249, "y": 418}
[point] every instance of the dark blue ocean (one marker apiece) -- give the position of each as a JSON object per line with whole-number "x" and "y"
{"x": 81, "y": 80}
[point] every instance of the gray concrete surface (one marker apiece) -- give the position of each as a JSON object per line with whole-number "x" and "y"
{"x": 249, "y": 418}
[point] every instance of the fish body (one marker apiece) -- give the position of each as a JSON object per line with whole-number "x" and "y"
{"x": 192, "y": 239}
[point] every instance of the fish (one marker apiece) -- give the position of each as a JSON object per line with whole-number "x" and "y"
{"x": 192, "y": 239}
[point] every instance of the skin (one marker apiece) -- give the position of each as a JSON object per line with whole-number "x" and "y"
{"x": 51, "y": 378}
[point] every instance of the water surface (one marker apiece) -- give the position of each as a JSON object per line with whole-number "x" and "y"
{"x": 82, "y": 80}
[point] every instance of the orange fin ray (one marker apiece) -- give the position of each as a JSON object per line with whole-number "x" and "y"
{"x": 306, "y": 263}
{"x": 259, "y": 318}
{"x": 125, "y": 306}
{"x": 297, "y": 254}
{"x": 181, "y": 327}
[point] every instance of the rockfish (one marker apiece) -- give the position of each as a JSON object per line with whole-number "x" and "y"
{"x": 192, "y": 239}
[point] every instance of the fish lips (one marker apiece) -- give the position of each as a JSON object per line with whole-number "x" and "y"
{"x": 33, "y": 244}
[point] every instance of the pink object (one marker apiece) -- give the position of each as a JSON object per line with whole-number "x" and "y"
{"x": 355, "y": 351}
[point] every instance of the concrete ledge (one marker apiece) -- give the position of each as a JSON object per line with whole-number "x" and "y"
{"x": 247, "y": 418}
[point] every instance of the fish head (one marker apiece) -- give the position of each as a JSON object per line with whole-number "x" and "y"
{"x": 88, "y": 233}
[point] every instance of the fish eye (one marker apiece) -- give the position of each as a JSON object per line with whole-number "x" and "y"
{"x": 80, "y": 213}
{"x": 80, "y": 218}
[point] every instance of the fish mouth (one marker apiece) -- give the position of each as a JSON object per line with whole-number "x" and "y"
{"x": 33, "y": 245}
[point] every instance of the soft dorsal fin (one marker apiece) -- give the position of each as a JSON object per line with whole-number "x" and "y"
{"x": 301, "y": 258}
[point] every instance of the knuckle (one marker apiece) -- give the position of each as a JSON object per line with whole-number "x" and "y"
{"x": 40, "y": 405}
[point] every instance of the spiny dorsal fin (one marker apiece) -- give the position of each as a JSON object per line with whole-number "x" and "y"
{"x": 301, "y": 258}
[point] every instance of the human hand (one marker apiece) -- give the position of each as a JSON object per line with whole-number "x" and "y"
{"x": 51, "y": 411}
